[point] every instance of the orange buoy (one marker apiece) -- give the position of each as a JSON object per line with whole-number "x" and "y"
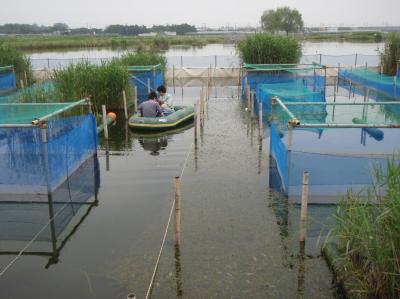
{"x": 112, "y": 115}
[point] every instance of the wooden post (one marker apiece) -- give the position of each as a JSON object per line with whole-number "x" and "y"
{"x": 177, "y": 234}
{"x": 173, "y": 74}
{"x": 304, "y": 202}
{"x": 260, "y": 121}
{"x": 355, "y": 62}
{"x": 103, "y": 108}
{"x": 136, "y": 99}
{"x": 248, "y": 97}
{"x": 131, "y": 296}
{"x": 195, "y": 123}
{"x": 252, "y": 102}
{"x": 125, "y": 105}
{"x": 324, "y": 82}
{"x": 338, "y": 71}
{"x": 148, "y": 86}
{"x": 21, "y": 82}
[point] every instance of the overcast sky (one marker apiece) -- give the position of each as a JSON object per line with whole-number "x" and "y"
{"x": 212, "y": 13}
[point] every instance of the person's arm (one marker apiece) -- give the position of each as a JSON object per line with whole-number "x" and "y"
{"x": 169, "y": 100}
{"x": 140, "y": 110}
{"x": 159, "y": 110}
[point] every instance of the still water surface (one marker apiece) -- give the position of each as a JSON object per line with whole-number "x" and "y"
{"x": 239, "y": 237}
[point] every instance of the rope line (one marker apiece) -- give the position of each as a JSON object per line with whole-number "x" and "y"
{"x": 166, "y": 231}
{"x": 31, "y": 241}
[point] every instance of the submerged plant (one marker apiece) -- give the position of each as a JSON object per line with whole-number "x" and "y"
{"x": 367, "y": 233}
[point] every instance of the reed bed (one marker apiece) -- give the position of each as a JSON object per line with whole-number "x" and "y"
{"x": 390, "y": 58}
{"x": 263, "y": 48}
{"x": 367, "y": 233}
{"x": 22, "y": 64}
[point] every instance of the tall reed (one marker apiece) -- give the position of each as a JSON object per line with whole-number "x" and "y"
{"x": 263, "y": 48}
{"x": 390, "y": 58}
{"x": 367, "y": 232}
{"x": 103, "y": 84}
{"x": 142, "y": 58}
{"x": 21, "y": 63}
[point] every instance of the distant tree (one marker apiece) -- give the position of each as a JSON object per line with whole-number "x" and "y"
{"x": 60, "y": 27}
{"x": 282, "y": 19}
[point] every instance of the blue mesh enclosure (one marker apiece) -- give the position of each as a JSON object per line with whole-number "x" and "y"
{"x": 374, "y": 80}
{"x": 68, "y": 205}
{"x": 294, "y": 91}
{"x": 140, "y": 80}
{"x": 271, "y": 74}
{"x": 8, "y": 81}
{"x": 337, "y": 159}
{"x": 31, "y": 166}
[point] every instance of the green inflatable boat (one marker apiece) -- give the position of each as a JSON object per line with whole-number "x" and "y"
{"x": 182, "y": 115}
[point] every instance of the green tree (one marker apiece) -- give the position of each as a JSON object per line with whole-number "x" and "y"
{"x": 283, "y": 18}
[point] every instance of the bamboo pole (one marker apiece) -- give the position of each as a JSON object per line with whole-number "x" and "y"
{"x": 173, "y": 75}
{"x": 125, "y": 105}
{"x": 103, "y": 108}
{"x": 303, "y": 214}
{"x": 252, "y": 103}
{"x": 148, "y": 86}
{"x": 195, "y": 123}
{"x": 136, "y": 99}
{"x": 177, "y": 234}
{"x": 248, "y": 97}
{"x": 131, "y": 296}
{"x": 260, "y": 121}
{"x": 21, "y": 82}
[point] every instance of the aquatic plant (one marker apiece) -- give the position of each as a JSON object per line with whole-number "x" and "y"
{"x": 263, "y": 48}
{"x": 22, "y": 64}
{"x": 103, "y": 84}
{"x": 367, "y": 233}
{"x": 143, "y": 58}
{"x": 390, "y": 58}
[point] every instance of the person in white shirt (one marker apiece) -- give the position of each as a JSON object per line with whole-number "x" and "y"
{"x": 164, "y": 97}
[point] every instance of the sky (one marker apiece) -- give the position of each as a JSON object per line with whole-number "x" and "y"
{"x": 211, "y": 13}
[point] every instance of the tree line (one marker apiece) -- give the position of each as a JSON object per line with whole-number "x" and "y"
{"x": 180, "y": 29}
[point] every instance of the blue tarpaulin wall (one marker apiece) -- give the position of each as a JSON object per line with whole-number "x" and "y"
{"x": 373, "y": 80}
{"x": 31, "y": 166}
{"x": 8, "y": 80}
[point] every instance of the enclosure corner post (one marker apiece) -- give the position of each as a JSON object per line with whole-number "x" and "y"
{"x": 177, "y": 234}
{"x": 304, "y": 202}
{"x": 103, "y": 108}
{"x": 125, "y": 105}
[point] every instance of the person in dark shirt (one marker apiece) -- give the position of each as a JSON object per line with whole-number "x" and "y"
{"x": 151, "y": 107}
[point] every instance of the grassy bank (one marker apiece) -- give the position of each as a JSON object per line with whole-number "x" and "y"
{"x": 367, "y": 236}
{"x": 41, "y": 43}
{"x": 372, "y": 37}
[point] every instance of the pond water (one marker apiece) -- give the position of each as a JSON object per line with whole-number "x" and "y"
{"x": 222, "y": 55}
{"x": 239, "y": 237}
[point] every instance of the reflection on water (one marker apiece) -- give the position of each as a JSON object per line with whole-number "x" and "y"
{"x": 154, "y": 145}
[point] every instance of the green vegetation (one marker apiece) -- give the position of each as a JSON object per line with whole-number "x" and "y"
{"x": 11, "y": 56}
{"x": 390, "y": 58}
{"x": 143, "y": 58}
{"x": 102, "y": 84}
{"x": 282, "y": 19}
{"x": 40, "y": 42}
{"x": 265, "y": 48}
{"x": 367, "y": 233}
{"x": 372, "y": 37}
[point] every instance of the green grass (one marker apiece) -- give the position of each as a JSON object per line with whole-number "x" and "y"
{"x": 374, "y": 37}
{"x": 103, "y": 84}
{"x": 21, "y": 63}
{"x": 390, "y": 58}
{"x": 40, "y": 42}
{"x": 143, "y": 58}
{"x": 367, "y": 233}
{"x": 263, "y": 48}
